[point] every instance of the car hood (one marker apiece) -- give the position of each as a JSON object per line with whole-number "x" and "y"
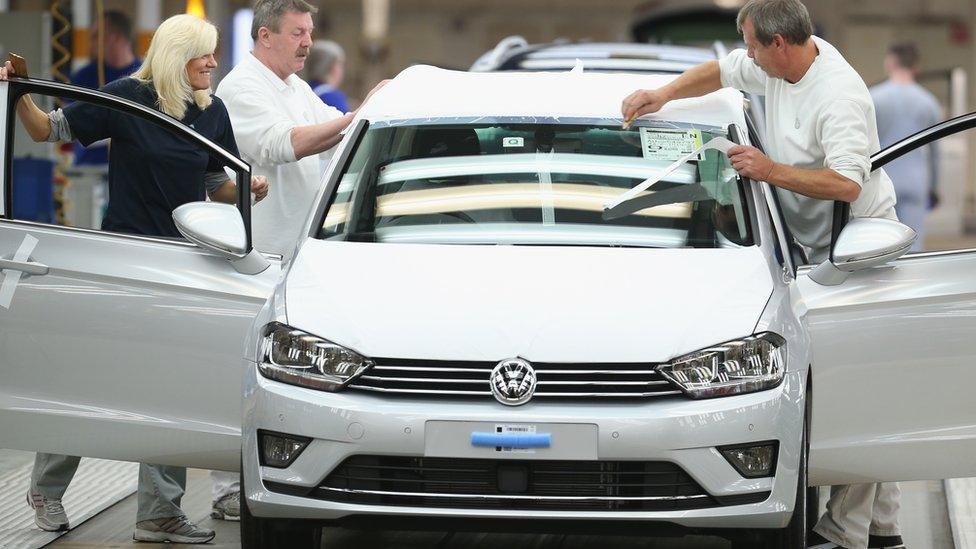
{"x": 545, "y": 304}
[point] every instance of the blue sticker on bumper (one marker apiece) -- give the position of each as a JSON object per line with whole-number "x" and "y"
{"x": 511, "y": 440}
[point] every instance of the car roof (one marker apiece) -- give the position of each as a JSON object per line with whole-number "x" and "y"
{"x": 513, "y": 53}
{"x": 423, "y": 92}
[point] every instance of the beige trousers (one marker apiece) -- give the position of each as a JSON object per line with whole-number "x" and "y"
{"x": 858, "y": 510}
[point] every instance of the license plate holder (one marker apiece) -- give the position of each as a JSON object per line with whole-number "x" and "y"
{"x": 578, "y": 441}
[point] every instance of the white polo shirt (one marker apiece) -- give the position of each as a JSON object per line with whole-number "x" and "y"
{"x": 826, "y": 120}
{"x": 263, "y": 110}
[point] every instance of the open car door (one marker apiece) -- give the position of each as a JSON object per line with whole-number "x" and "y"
{"x": 113, "y": 345}
{"x": 894, "y": 361}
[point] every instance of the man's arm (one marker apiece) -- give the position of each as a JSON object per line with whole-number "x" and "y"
{"x": 822, "y": 183}
{"x": 694, "y": 82}
{"x": 316, "y": 138}
{"x": 272, "y": 138}
{"x": 308, "y": 140}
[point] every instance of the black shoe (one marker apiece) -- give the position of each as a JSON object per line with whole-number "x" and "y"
{"x": 819, "y": 542}
{"x": 885, "y": 542}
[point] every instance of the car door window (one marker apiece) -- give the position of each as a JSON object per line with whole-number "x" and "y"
{"x": 123, "y": 170}
{"x": 942, "y": 227}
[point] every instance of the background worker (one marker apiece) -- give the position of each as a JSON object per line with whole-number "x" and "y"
{"x": 119, "y": 61}
{"x": 326, "y": 70}
{"x": 821, "y": 131}
{"x": 903, "y": 107}
{"x": 283, "y": 129}
{"x": 151, "y": 172}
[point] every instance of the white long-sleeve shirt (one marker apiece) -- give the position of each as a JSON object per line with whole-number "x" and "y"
{"x": 264, "y": 109}
{"x": 826, "y": 120}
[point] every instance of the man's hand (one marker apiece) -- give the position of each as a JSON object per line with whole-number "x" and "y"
{"x": 750, "y": 162}
{"x": 259, "y": 186}
{"x": 642, "y": 102}
{"x": 375, "y": 89}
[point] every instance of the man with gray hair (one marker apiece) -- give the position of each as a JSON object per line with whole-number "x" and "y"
{"x": 326, "y": 70}
{"x": 286, "y": 133}
{"x": 821, "y": 132}
{"x": 283, "y": 129}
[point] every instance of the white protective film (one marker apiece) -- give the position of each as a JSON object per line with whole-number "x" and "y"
{"x": 423, "y": 91}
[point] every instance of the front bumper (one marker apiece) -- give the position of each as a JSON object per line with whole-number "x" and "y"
{"x": 669, "y": 429}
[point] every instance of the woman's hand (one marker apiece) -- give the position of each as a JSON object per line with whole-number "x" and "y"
{"x": 35, "y": 121}
{"x": 259, "y": 187}
{"x": 7, "y": 70}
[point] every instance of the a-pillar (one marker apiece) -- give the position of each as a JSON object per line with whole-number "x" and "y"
{"x": 148, "y": 17}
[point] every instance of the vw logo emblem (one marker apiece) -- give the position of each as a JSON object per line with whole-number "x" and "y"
{"x": 513, "y": 381}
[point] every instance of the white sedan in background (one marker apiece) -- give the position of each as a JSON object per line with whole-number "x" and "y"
{"x": 475, "y": 328}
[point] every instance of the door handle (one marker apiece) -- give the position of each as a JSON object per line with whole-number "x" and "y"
{"x": 28, "y": 267}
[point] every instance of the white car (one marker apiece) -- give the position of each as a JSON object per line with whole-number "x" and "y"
{"x": 466, "y": 335}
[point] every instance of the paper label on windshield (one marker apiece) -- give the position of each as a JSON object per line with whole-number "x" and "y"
{"x": 669, "y": 144}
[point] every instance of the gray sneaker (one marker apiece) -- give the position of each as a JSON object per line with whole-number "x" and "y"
{"x": 227, "y": 507}
{"x": 172, "y": 529}
{"x": 49, "y": 514}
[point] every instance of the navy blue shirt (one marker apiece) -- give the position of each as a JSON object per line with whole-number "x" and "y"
{"x": 151, "y": 169}
{"x": 87, "y": 76}
{"x": 330, "y": 96}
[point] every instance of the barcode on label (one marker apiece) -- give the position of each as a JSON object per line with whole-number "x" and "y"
{"x": 514, "y": 428}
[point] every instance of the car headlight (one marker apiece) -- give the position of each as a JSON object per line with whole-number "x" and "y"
{"x": 290, "y": 355}
{"x": 746, "y": 365}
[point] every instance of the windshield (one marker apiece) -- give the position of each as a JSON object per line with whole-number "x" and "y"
{"x": 536, "y": 181}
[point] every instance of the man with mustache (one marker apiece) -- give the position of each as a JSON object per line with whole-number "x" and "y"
{"x": 283, "y": 129}
{"x": 286, "y": 133}
{"x": 821, "y": 131}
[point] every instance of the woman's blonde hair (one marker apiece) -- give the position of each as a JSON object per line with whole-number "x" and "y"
{"x": 178, "y": 40}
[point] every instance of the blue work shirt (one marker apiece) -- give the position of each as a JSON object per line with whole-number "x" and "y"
{"x": 903, "y": 109}
{"x": 330, "y": 96}
{"x": 87, "y": 77}
{"x": 152, "y": 171}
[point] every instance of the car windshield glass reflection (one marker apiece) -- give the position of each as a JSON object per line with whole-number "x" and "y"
{"x": 532, "y": 181}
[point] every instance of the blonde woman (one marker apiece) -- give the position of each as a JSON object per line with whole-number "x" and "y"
{"x": 151, "y": 172}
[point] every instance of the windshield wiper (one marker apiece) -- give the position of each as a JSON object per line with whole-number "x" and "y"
{"x": 624, "y": 203}
{"x": 676, "y": 195}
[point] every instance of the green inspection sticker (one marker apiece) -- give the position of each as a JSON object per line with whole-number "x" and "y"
{"x": 669, "y": 144}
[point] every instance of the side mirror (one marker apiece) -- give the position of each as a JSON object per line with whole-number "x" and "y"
{"x": 864, "y": 242}
{"x": 219, "y": 229}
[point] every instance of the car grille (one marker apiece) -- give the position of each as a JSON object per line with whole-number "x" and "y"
{"x": 515, "y": 485}
{"x": 554, "y": 380}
